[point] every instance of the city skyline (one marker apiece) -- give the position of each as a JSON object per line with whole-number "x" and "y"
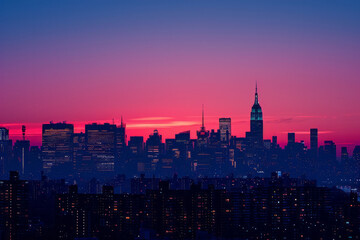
{"x": 149, "y": 126}
{"x": 167, "y": 130}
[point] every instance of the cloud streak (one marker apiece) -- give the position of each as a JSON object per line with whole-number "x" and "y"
{"x": 152, "y": 119}
{"x": 162, "y": 125}
{"x": 308, "y": 132}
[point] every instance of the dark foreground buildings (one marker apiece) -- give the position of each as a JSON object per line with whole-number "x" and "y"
{"x": 278, "y": 207}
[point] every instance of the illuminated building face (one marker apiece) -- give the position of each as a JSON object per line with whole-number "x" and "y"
{"x": 56, "y": 144}
{"x": 4, "y": 134}
{"x": 256, "y": 122}
{"x": 225, "y": 129}
{"x": 256, "y": 114}
{"x": 101, "y": 142}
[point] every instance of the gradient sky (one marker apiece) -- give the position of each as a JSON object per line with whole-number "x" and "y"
{"x": 156, "y": 62}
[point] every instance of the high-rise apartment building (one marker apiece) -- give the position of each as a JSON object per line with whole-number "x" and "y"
{"x": 14, "y": 214}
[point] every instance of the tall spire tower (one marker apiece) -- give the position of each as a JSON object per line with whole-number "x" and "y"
{"x": 202, "y": 119}
{"x": 120, "y": 139}
{"x": 256, "y": 95}
{"x": 203, "y": 135}
{"x": 256, "y": 121}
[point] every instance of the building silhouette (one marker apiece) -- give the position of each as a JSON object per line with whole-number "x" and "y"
{"x": 21, "y": 152}
{"x": 225, "y": 129}
{"x": 202, "y": 134}
{"x": 14, "y": 212}
{"x": 104, "y": 216}
{"x": 5, "y": 150}
{"x": 101, "y": 144}
{"x": 57, "y": 144}
{"x": 154, "y": 150}
{"x": 256, "y": 123}
{"x": 291, "y": 139}
{"x": 82, "y": 162}
{"x": 314, "y": 148}
{"x": 314, "y": 139}
{"x": 120, "y": 146}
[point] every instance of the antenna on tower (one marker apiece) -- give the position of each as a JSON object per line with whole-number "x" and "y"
{"x": 203, "y": 125}
{"x": 256, "y": 94}
{"x": 122, "y": 121}
{"x": 23, "y": 128}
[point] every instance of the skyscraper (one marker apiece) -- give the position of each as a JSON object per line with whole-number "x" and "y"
{"x": 81, "y": 158}
{"x": 5, "y": 150}
{"x": 136, "y": 145}
{"x": 356, "y": 157}
{"x": 344, "y": 155}
{"x": 225, "y": 129}
{"x": 136, "y": 154}
{"x": 21, "y": 152}
{"x": 4, "y": 134}
{"x": 256, "y": 122}
{"x": 34, "y": 165}
{"x": 328, "y": 152}
{"x": 57, "y": 140}
{"x": 101, "y": 142}
{"x": 314, "y": 141}
{"x": 154, "y": 149}
{"x": 120, "y": 138}
{"x": 291, "y": 138}
{"x": 14, "y": 212}
{"x": 274, "y": 143}
{"x": 120, "y": 159}
{"x": 202, "y": 135}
